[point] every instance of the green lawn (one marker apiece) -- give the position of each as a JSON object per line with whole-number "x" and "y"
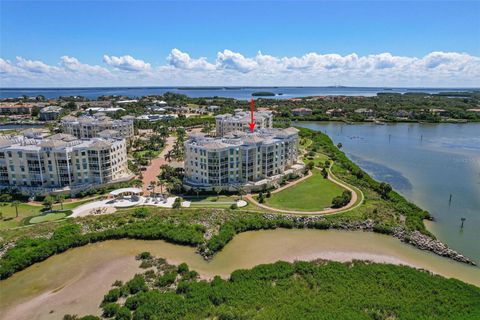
{"x": 9, "y": 216}
{"x": 319, "y": 159}
{"x": 9, "y": 219}
{"x": 312, "y": 194}
{"x": 210, "y": 198}
{"x": 211, "y": 201}
{"x": 144, "y": 153}
{"x": 47, "y": 217}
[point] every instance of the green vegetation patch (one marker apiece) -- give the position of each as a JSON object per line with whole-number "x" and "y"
{"x": 313, "y": 194}
{"x": 302, "y": 290}
{"x": 263, "y": 94}
{"x": 48, "y": 217}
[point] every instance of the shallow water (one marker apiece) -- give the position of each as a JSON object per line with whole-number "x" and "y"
{"x": 74, "y": 282}
{"x": 426, "y": 163}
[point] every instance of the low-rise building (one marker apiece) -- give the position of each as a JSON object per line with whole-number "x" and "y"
{"x": 365, "y": 112}
{"x": 302, "y": 112}
{"x": 156, "y": 108}
{"x": 90, "y": 126}
{"x": 126, "y": 101}
{"x": 49, "y": 113}
{"x": 11, "y": 108}
{"x": 241, "y": 159}
{"x": 107, "y": 110}
{"x": 226, "y": 123}
{"x": 439, "y": 112}
{"x": 61, "y": 162}
{"x": 335, "y": 112}
{"x": 213, "y": 108}
{"x": 156, "y": 117}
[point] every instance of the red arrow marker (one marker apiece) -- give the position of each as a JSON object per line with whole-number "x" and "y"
{"x": 252, "y": 122}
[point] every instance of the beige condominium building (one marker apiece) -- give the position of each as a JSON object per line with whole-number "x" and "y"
{"x": 61, "y": 162}
{"x": 241, "y": 159}
{"x": 85, "y": 127}
{"x": 226, "y": 123}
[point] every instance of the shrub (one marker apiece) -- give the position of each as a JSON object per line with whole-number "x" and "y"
{"x": 141, "y": 213}
{"x": 118, "y": 283}
{"x": 343, "y": 200}
{"x": 112, "y": 296}
{"x": 136, "y": 285}
{"x": 144, "y": 255}
{"x": 182, "y": 268}
{"x": 110, "y": 310}
{"x": 177, "y": 203}
{"x": 123, "y": 314}
{"x": 166, "y": 279}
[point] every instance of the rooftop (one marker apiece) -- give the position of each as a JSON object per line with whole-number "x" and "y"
{"x": 51, "y": 109}
{"x": 60, "y": 141}
{"x": 242, "y": 116}
{"x": 97, "y": 118}
{"x": 238, "y": 138}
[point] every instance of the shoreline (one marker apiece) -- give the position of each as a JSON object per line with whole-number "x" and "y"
{"x": 79, "y": 286}
{"x": 82, "y": 292}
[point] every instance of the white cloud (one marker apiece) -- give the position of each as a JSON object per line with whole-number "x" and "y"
{"x": 35, "y": 66}
{"x": 73, "y": 65}
{"x": 235, "y": 61}
{"x": 182, "y": 60}
{"x": 126, "y": 63}
{"x": 7, "y": 68}
{"x": 449, "y": 69}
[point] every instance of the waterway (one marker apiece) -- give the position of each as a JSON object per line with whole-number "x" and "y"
{"x": 426, "y": 163}
{"x": 227, "y": 92}
{"x": 11, "y": 126}
{"x": 74, "y": 282}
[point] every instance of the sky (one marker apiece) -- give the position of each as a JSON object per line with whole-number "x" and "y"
{"x": 174, "y": 43}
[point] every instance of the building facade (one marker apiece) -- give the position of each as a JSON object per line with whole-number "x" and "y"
{"x": 302, "y": 112}
{"x": 49, "y": 113}
{"x": 61, "y": 162}
{"x": 227, "y": 123}
{"x": 250, "y": 160}
{"x": 10, "y": 108}
{"x": 86, "y": 127}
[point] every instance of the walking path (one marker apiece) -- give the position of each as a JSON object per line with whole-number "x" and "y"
{"x": 351, "y": 205}
{"x": 153, "y": 170}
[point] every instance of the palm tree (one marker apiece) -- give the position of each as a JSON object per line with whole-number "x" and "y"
{"x": 241, "y": 192}
{"x": 15, "y": 204}
{"x": 168, "y": 156}
{"x": 160, "y": 184}
{"x": 48, "y": 202}
{"x": 197, "y": 191}
{"x": 61, "y": 199}
{"x": 153, "y": 185}
{"x": 217, "y": 191}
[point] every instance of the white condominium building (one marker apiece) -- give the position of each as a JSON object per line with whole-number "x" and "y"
{"x": 239, "y": 158}
{"x": 91, "y": 126}
{"x": 61, "y": 162}
{"x": 239, "y": 121}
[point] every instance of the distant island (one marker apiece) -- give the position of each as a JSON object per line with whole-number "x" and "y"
{"x": 263, "y": 94}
